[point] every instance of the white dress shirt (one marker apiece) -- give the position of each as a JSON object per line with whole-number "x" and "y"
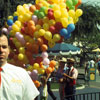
{"x": 16, "y": 84}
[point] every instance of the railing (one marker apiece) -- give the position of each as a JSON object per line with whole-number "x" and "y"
{"x": 85, "y": 96}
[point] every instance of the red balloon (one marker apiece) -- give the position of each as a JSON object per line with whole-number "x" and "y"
{"x": 38, "y": 59}
{"x": 23, "y": 30}
{"x": 50, "y": 10}
{"x": 52, "y": 29}
{"x": 50, "y": 15}
{"x": 58, "y": 26}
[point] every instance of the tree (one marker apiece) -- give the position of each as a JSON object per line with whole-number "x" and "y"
{"x": 87, "y": 31}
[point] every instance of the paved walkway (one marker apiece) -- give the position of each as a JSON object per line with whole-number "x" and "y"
{"x": 95, "y": 84}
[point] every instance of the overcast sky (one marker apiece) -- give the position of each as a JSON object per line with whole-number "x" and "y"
{"x": 91, "y": 1}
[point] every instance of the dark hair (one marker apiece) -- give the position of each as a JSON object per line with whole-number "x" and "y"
{"x": 3, "y": 33}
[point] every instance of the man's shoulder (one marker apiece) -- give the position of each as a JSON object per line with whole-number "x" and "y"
{"x": 14, "y": 68}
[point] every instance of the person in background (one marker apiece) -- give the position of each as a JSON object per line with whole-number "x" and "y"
{"x": 49, "y": 87}
{"x": 15, "y": 83}
{"x": 98, "y": 66}
{"x": 43, "y": 88}
{"x": 70, "y": 81}
{"x": 59, "y": 77}
{"x": 86, "y": 68}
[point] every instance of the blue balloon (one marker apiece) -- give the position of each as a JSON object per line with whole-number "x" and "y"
{"x": 70, "y": 28}
{"x": 15, "y": 18}
{"x": 10, "y": 22}
{"x": 63, "y": 32}
{"x": 67, "y": 36}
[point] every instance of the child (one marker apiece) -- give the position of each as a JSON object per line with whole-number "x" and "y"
{"x": 43, "y": 88}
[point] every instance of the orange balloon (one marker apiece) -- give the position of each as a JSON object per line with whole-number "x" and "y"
{"x": 28, "y": 54}
{"x": 35, "y": 48}
{"x": 30, "y": 23}
{"x": 32, "y": 8}
{"x": 28, "y": 46}
{"x": 39, "y": 41}
{"x": 49, "y": 70}
{"x": 41, "y": 66}
{"x": 79, "y": 2}
{"x": 52, "y": 63}
{"x": 44, "y": 47}
{"x": 26, "y": 30}
{"x": 32, "y": 30}
{"x": 39, "y": 5}
{"x": 37, "y": 83}
{"x": 40, "y": 22}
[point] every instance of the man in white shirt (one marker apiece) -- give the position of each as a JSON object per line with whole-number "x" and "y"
{"x": 16, "y": 84}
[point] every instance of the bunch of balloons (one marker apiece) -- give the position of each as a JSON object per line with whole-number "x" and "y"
{"x": 34, "y": 28}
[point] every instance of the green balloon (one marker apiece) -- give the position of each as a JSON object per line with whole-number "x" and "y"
{"x": 42, "y": 9}
{"x": 51, "y": 6}
{"x": 75, "y": 2}
{"x": 36, "y": 12}
{"x": 41, "y": 14}
{"x": 69, "y": 3}
{"x": 72, "y": 8}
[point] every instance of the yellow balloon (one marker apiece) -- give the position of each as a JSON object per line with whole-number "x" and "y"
{"x": 22, "y": 50}
{"x": 51, "y": 22}
{"x": 64, "y": 22}
{"x": 41, "y": 32}
{"x": 20, "y": 10}
{"x": 78, "y": 12}
{"x": 18, "y": 44}
{"x": 25, "y": 60}
{"x": 58, "y": 20}
{"x": 38, "y": 27}
{"x": 27, "y": 17}
{"x": 51, "y": 43}
{"x": 75, "y": 19}
{"x": 14, "y": 40}
{"x": 45, "y": 20}
{"x": 15, "y": 28}
{"x": 46, "y": 26}
{"x": 30, "y": 68}
{"x": 70, "y": 20}
{"x": 18, "y": 23}
{"x": 36, "y": 34}
{"x": 36, "y": 66}
{"x": 21, "y": 18}
{"x": 10, "y": 17}
{"x": 71, "y": 13}
{"x": 27, "y": 38}
{"x": 56, "y": 7}
{"x": 12, "y": 33}
{"x": 37, "y": 1}
{"x": 15, "y": 13}
{"x": 62, "y": 5}
{"x": 20, "y": 56}
{"x": 41, "y": 71}
{"x": 56, "y": 37}
{"x": 64, "y": 13}
{"x": 57, "y": 14}
{"x": 48, "y": 35}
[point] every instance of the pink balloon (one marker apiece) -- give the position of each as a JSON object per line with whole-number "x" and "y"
{"x": 9, "y": 28}
{"x": 46, "y": 61}
{"x": 34, "y": 75}
{"x": 20, "y": 37}
{"x": 35, "y": 18}
{"x": 5, "y": 30}
{"x": 44, "y": 55}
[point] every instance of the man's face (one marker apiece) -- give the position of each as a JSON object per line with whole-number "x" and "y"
{"x": 4, "y": 49}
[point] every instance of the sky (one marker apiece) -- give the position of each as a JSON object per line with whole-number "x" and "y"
{"x": 91, "y": 1}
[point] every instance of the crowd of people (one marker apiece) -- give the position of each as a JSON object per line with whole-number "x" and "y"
{"x": 16, "y": 84}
